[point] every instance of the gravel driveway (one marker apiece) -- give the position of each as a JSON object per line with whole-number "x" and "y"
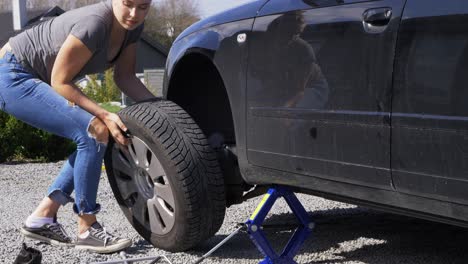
{"x": 344, "y": 233}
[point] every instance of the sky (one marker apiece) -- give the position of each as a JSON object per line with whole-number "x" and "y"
{"x": 210, "y": 7}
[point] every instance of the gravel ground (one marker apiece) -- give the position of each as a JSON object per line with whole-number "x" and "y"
{"x": 344, "y": 233}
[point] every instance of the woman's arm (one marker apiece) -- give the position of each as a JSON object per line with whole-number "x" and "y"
{"x": 71, "y": 58}
{"x": 125, "y": 78}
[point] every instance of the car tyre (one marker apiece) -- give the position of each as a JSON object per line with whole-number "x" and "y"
{"x": 168, "y": 181}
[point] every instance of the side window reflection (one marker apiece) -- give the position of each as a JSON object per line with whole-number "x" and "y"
{"x": 322, "y": 3}
{"x": 286, "y": 65}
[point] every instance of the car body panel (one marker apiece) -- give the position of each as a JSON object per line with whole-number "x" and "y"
{"x": 282, "y": 6}
{"x": 219, "y": 44}
{"x": 359, "y": 124}
{"x": 430, "y": 113}
{"x": 381, "y": 199}
{"x": 319, "y": 91}
{"x": 246, "y": 11}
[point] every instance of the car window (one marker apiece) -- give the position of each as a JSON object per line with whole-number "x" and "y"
{"x": 323, "y": 3}
{"x": 280, "y": 6}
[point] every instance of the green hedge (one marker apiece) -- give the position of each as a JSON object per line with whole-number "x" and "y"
{"x": 19, "y": 141}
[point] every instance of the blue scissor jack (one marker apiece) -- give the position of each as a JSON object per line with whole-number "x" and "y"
{"x": 254, "y": 229}
{"x": 300, "y": 235}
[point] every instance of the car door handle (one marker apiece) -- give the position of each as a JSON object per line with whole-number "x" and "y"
{"x": 376, "y": 20}
{"x": 378, "y": 16}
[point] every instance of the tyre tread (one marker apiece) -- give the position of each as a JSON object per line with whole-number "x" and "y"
{"x": 196, "y": 163}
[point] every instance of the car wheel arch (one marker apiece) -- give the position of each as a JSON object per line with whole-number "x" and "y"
{"x": 198, "y": 87}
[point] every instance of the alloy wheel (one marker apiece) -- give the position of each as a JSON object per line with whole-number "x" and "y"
{"x": 144, "y": 186}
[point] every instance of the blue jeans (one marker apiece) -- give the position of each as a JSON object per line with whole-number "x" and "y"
{"x": 36, "y": 103}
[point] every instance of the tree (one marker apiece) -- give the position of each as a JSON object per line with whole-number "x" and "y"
{"x": 93, "y": 88}
{"x": 165, "y": 21}
{"x": 101, "y": 87}
{"x": 5, "y": 5}
{"x": 64, "y": 4}
{"x": 111, "y": 90}
{"x": 168, "y": 18}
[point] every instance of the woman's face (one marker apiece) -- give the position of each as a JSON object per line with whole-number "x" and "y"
{"x": 130, "y": 13}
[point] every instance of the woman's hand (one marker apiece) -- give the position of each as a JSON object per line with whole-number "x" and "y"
{"x": 115, "y": 126}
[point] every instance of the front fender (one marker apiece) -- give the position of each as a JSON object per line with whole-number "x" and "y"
{"x": 220, "y": 45}
{"x": 205, "y": 42}
{"x": 242, "y": 12}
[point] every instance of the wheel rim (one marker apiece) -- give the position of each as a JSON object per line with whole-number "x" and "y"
{"x": 143, "y": 185}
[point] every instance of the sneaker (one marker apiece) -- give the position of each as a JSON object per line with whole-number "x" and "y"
{"x": 99, "y": 241}
{"x": 53, "y": 234}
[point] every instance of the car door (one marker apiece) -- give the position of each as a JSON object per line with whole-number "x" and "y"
{"x": 319, "y": 88}
{"x": 430, "y": 109}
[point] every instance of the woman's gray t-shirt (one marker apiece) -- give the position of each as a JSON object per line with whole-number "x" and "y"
{"x": 37, "y": 47}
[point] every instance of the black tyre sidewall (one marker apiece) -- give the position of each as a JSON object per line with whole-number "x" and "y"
{"x": 174, "y": 240}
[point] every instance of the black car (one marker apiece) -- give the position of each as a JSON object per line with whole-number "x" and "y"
{"x": 362, "y": 101}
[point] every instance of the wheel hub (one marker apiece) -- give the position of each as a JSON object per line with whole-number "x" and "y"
{"x": 145, "y": 183}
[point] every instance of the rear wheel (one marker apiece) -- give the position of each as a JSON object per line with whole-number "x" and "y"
{"x": 168, "y": 182}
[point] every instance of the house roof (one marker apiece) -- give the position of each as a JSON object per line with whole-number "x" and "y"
{"x": 50, "y": 13}
{"x": 148, "y": 39}
{"x": 37, "y": 16}
{"x": 34, "y": 17}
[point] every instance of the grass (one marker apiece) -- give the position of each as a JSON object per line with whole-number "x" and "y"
{"x": 110, "y": 108}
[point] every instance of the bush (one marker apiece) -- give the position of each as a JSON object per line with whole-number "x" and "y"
{"x": 19, "y": 141}
{"x": 101, "y": 88}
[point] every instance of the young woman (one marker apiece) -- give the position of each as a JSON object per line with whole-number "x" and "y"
{"x": 37, "y": 72}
